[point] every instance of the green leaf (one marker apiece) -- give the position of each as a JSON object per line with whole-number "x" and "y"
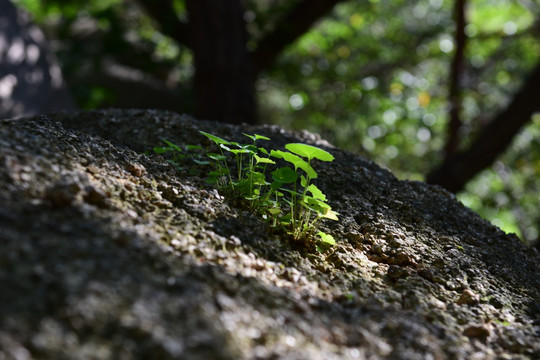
{"x": 296, "y": 161}
{"x": 277, "y": 153}
{"x": 276, "y": 185}
{"x": 317, "y": 194}
{"x": 160, "y": 150}
{"x": 292, "y": 192}
{"x": 215, "y": 139}
{"x": 261, "y": 160}
{"x": 237, "y": 151}
{"x": 256, "y": 137}
{"x": 251, "y": 148}
{"x": 331, "y": 214}
{"x": 173, "y": 146}
{"x": 310, "y": 152}
{"x": 216, "y": 157}
{"x": 326, "y": 238}
{"x": 258, "y": 178}
{"x": 284, "y": 175}
{"x": 218, "y": 172}
{"x": 286, "y": 219}
{"x": 261, "y": 137}
{"x": 313, "y": 204}
{"x": 310, "y": 171}
{"x": 193, "y": 147}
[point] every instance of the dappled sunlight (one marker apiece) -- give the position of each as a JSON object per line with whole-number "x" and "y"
{"x": 30, "y": 80}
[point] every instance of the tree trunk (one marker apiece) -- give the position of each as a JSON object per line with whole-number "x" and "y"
{"x": 293, "y": 25}
{"x": 455, "y": 172}
{"x": 454, "y": 125}
{"x": 223, "y": 82}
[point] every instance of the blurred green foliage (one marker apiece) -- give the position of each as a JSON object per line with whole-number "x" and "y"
{"x": 372, "y": 77}
{"x": 378, "y": 84}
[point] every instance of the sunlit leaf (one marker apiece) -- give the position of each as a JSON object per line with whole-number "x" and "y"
{"x": 326, "y": 238}
{"x": 215, "y": 138}
{"x": 256, "y": 137}
{"x": 296, "y": 161}
{"x": 261, "y": 160}
{"x": 317, "y": 194}
{"x": 310, "y": 152}
{"x": 216, "y": 157}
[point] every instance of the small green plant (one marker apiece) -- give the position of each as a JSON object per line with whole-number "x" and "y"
{"x": 179, "y": 158}
{"x": 286, "y": 197}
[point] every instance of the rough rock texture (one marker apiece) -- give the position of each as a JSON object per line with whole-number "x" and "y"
{"x": 106, "y": 253}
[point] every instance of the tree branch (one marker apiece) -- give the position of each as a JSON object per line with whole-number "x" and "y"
{"x": 456, "y": 171}
{"x": 287, "y": 30}
{"x": 162, "y": 11}
{"x": 454, "y": 95}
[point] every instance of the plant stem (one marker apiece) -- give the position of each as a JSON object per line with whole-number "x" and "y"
{"x": 226, "y": 166}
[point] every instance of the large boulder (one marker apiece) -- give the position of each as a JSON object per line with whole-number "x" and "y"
{"x": 108, "y": 253}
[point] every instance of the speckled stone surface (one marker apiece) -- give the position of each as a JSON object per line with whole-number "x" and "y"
{"x": 107, "y": 253}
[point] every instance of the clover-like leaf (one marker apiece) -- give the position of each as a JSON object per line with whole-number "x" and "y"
{"x": 310, "y": 152}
